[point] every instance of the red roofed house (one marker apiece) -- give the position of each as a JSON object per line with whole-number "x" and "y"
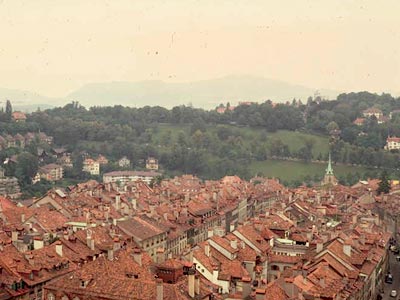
{"x": 51, "y": 172}
{"x": 359, "y": 121}
{"x": 152, "y": 163}
{"x": 18, "y": 116}
{"x": 373, "y": 111}
{"x": 392, "y": 143}
{"x": 102, "y": 160}
{"x": 91, "y": 166}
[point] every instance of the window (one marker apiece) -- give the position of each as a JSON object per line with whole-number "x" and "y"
{"x": 274, "y": 268}
{"x": 50, "y": 296}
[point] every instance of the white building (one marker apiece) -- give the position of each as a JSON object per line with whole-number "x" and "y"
{"x": 129, "y": 176}
{"x": 124, "y": 162}
{"x": 392, "y": 143}
{"x": 91, "y": 166}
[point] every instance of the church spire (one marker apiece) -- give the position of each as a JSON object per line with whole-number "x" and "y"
{"x": 329, "y": 170}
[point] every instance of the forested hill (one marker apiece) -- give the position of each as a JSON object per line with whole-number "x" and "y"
{"x": 211, "y": 144}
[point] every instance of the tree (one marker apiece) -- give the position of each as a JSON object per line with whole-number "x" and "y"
{"x": 332, "y": 126}
{"x": 384, "y": 184}
{"x": 8, "y": 109}
{"x": 27, "y": 167}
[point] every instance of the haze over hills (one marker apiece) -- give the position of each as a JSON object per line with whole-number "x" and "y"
{"x": 27, "y": 101}
{"x": 205, "y": 94}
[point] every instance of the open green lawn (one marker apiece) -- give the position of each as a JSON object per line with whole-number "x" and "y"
{"x": 293, "y": 170}
{"x": 294, "y": 139}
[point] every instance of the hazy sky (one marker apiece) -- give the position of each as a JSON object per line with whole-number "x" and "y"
{"x": 53, "y": 47}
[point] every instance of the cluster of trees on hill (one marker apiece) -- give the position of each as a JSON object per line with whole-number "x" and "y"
{"x": 211, "y": 144}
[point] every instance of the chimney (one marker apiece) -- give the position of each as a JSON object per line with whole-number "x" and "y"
{"x": 191, "y": 283}
{"x": 117, "y": 201}
{"x": 160, "y": 255}
{"x": 320, "y": 246}
{"x": 347, "y": 248}
{"x": 22, "y": 218}
{"x": 38, "y": 243}
{"x": 134, "y": 204}
{"x": 184, "y": 211}
{"x": 260, "y": 294}
{"x": 66, "y": 235}
{"x": 152, "y": 210}
{"x": 160, "y": 289}
{"x": 210, "y": 232}
{"x": 110, "y": 254}
{"x": 215, "y": 274}
{"x": 197, "y": 284}
{"x": 116, "y": 244}
{"x": 137, "y": 256}
{"x": 322, "y": 282}
{"x": 89, "y": 239}
{"x": 14, "y": 236}
{"x": 246, "y": 287}
{"x": 362, "y": 239}
{"x": 234, "y": 243}
{"x": 207, "y": 250}
{"x": 59, "y": 248}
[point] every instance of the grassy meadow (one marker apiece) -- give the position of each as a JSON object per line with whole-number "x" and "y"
{"x": 296, "y": 170}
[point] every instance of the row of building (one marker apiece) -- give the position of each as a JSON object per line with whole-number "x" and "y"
{"x": 20, "y": 141}
{"x": 188, "y": 239}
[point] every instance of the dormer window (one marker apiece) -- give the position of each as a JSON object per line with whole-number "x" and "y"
{"x": 50, "y": 296}
{"x": 84, "y": 283}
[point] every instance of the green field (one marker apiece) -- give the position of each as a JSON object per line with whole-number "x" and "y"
{"x": 294, "y": 139}
{"x": 293, "y": 170}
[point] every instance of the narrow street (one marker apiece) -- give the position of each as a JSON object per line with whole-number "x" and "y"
{"x": 394, "y": 267}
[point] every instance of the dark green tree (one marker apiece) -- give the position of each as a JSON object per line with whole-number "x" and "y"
{"x": 384, "y": 184}
{"x": 8, "y": 110}
{"x": 27, "y": 167}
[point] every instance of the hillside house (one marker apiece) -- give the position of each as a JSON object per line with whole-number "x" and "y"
{"x": 373, "y": 111}
{"x": 392, "y": 143}
{"x": 152, "y": 164}
{"x": 18, "y": 116}
{"x": 124, "y": 162}
{"x": 51, "y": 172}
{"x": 91, "y": 166}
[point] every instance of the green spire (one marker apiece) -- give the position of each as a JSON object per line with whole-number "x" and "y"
{"x": 329, "y": 170}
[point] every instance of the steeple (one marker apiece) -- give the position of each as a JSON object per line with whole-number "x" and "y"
{"x": 329, "y": 178}
{"x": 329, "y": 170}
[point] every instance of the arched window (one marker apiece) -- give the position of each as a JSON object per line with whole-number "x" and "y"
{"x": 274, "y": 268}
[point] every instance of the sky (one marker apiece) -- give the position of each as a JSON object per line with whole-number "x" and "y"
{"x": 54, "y": 47}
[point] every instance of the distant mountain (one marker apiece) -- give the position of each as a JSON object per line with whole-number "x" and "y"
{"x": 205, "y": 94}
{"x": 27, "y": 101}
